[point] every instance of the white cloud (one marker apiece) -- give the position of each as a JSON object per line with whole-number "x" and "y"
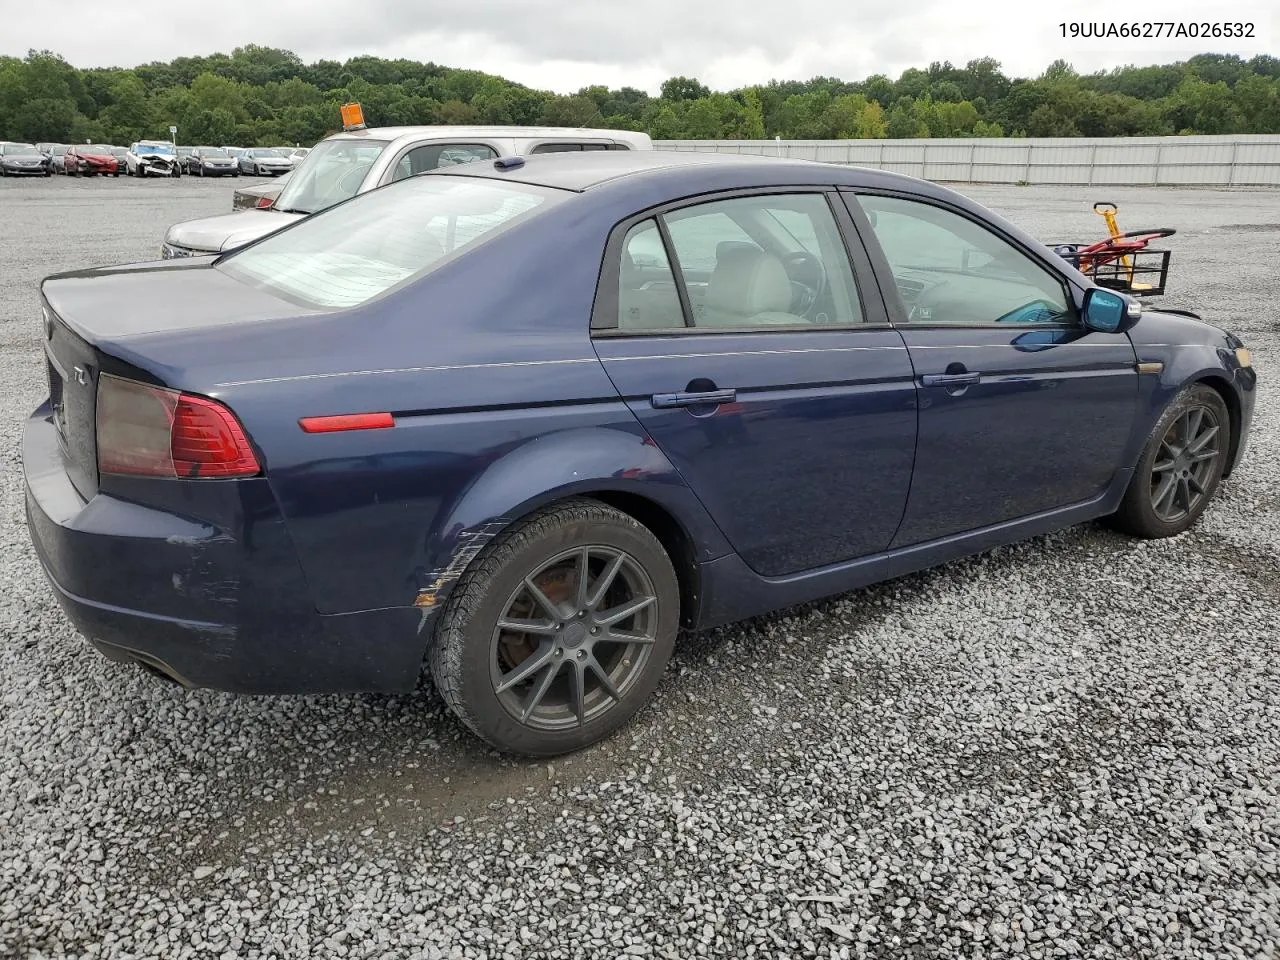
{"x": 556, "y": 45}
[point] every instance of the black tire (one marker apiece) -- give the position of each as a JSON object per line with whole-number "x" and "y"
{"x": 1138, "y": 514}
{"x": 466, "y": 654}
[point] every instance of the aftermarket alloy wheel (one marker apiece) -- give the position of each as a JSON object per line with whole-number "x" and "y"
{"x": 1181, "y": 466}
{"x": 559, "y": 631}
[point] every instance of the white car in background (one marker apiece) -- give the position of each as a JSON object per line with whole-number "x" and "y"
{"x": 356, "y": 161}
{"x": 152, "y": 158}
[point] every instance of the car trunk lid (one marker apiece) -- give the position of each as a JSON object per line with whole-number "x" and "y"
{"x": 72, "y": 367}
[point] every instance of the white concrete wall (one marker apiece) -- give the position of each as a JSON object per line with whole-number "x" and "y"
{"x": 1228, "y": 161}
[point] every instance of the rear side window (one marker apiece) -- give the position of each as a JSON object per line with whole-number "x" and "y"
{"x": 647, "y": 297}
{"x": 432, "y": 156}
{"x": 575, "y": 147}
{"x": 746, "y": 263}
{"x": 352, "y": 253}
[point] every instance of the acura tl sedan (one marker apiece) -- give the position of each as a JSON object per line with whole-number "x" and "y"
{"x": 521, "y": 420}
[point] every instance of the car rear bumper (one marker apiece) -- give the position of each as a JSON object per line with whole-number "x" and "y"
{"x": 207, "y": 606}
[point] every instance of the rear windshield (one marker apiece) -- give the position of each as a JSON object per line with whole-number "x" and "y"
{"x": 364, "y": 248}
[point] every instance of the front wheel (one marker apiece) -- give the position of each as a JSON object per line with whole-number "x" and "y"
{"x": 560, "y": 630}
{"x": 1181, "y": 466}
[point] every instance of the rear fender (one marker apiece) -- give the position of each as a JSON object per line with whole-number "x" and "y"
{"x": 544, "y": 470}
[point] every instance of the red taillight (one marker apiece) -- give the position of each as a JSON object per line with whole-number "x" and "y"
{"x": 265, "y": 203}
{"x": 152, "y": 432}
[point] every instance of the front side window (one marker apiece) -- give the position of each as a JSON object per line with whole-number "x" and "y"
{"x": 432, "y": 156}
{"x": 356, "y": 252}
{"x": 949, "y": 269}
{"x": 764, "y": 261}
{"x": 332, "y": 172}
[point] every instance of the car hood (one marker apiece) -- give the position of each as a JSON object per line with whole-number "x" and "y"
{"x": 228, "y": 230}
{"x": 1157, "y": 327}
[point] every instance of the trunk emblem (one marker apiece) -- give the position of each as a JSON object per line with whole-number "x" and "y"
{"x": 82, "y": 376}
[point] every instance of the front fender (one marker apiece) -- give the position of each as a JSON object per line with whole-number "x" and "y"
{"x": 1182, "y": 364}
{"x": 545, "y": 469}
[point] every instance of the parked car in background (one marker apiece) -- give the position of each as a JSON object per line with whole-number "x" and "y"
{"x": 23, "y": 160}
{"x": 211, "y": 162}
{"x": 121, "y": 154}
{"x": 233, "y": 152}
{"x": 357, "y": 161}
{"x": 298, "y": 154}
{"x": 264, "y": 162}
{"x": 183, "y": 154}
{"x": 57, "y": 153}
{"x": 546, "y": 412}
{"x": 90, "y": 160}
{"x": 153, "y": 158}
{"x": 259, "y": 195}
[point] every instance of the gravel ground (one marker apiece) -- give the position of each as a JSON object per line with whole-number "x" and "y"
{"x": 1069, "y": 748}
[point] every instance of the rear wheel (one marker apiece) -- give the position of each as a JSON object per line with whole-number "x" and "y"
{"x": 1181, "y": 466}
{"x": 560, "y": 630}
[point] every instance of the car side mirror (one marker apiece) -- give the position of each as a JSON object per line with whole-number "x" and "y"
{"x": 1106, "y": 311}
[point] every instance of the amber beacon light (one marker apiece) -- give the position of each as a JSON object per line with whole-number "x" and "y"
{"x": 352, "y": 116}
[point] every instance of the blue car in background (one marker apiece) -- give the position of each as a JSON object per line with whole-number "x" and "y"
{"x": 523, "y": 419}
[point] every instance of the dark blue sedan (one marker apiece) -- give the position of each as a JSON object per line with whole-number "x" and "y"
{"x": 522, "y": 420}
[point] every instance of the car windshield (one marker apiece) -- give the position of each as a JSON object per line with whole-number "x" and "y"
{"x": 58, "y": 150}
{"x": 97, "y": 149}
{"x": 391, "y": 236}
{"x": 331, "y": 173}
{"x": 207, "y": 152}
{"x": 266, "y": 153}
{"x": 19, "y": 150}
{"x": 154, "y": 150}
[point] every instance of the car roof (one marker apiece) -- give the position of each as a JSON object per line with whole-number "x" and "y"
{"x": 584, "y": 171}
{"x": 516, "y": 133}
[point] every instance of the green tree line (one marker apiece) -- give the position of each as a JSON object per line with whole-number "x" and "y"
{"x": 261, "y": 96}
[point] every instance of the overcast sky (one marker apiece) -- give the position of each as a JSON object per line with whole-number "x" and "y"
{"x": 564, "y": 45}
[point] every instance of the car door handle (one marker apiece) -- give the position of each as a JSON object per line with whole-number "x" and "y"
{"x": 665, "y": 401}
{"x": 950, "y": 379}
